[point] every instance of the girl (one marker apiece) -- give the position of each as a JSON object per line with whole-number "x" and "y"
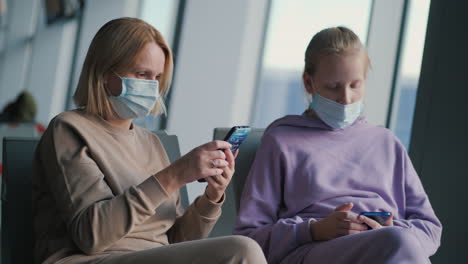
{"x": 314, "y": 173}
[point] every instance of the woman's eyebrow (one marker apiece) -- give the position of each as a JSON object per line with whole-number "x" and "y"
{"x": 137, "y": 68}
{"x": 147, "y": 70}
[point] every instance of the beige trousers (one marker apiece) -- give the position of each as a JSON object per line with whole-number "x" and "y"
{"x": 225, "y": 250}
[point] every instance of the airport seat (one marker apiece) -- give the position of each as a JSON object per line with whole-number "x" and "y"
{"x": 17, "y": 230}
{"x": 244, "y": 160}
{"x": 28, "y": 130}
{"x": 171, "y": 144}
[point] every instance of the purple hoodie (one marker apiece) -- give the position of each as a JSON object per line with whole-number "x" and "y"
{"x": 304, "y": 169}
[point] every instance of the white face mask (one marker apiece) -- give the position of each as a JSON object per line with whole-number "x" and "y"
{"x": 137, "y": 99}
{"x": 334, "y": 114}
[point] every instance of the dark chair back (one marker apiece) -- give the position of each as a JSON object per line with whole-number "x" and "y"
{"x": 244, "y": 160}
{"x": 17, "y": 229}
{"x": 171, "y": 144}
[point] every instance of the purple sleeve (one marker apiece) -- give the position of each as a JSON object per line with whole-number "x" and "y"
{"x": 419, "y": 217}
{"x": 260, "y": 204}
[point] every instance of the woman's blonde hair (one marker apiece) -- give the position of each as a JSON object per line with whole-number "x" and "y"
{"x": 332, "y": 41}
{"x": 114, "y": 48}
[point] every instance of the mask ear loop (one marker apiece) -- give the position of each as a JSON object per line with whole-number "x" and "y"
{"x": 162, "y": 105}
{"x": 309, "y": 96}
{"x": 118, "y": 75}
{"x": 160, "y": 102}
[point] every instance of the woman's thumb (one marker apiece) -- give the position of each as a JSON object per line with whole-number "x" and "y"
{"x": 344, "y": 207}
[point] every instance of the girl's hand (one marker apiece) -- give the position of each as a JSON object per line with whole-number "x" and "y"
{"x": 374, "y": 224}
{"x": 341, "y": 222}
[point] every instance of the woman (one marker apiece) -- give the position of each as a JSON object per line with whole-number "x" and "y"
{"x": 314, "y": 173}
{"x": 104, "y": 191}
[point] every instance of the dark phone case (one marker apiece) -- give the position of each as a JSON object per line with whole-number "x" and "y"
{"x": 226, "y": 138}
{"x": 229, "y": 135}
{"x": 379, "y": 217}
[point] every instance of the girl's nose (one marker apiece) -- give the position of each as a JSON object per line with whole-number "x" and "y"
{"x": 345, "y": 96}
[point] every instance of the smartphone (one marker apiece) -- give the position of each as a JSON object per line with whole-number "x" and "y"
{"x": 235, "y": 137}
{"x": 379, "y": 217}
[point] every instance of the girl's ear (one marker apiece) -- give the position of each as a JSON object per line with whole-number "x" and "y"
{"x": 307, "y": 83}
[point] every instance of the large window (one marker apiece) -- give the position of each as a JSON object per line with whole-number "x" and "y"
{"x": 292, "y": 24}
{"x": 409, "y": 69}
{"x": 162, "y": 15}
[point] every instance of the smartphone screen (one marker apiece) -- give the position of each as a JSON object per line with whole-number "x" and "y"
{"x": 379, "y": 217}
{"x": 236, "y": 135}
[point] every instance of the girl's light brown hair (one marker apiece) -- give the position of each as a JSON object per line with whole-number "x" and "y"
{"x": 114, "y": 48}
{"x": 332, "y": 41}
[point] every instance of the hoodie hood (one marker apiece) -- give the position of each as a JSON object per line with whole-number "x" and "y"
{"x": 308, "y": 121}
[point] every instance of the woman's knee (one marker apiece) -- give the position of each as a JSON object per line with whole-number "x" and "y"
{"x": 247, "y": 249}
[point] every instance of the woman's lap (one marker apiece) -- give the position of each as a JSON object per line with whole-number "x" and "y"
{"x": 230, "y": 249}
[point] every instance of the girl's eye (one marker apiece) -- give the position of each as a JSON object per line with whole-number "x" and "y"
{"x": 141, "y": 74}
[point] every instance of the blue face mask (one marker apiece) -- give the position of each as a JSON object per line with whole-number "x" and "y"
{"x": 334, "y": 114}
{"x": 137, "y": 99}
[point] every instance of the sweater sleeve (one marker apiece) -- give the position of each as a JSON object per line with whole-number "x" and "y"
{"x": 419, "y": 217}
{"x": 95, "y": 217}
{"x": 197, "y": 221}
{"x": 261, "y": 202}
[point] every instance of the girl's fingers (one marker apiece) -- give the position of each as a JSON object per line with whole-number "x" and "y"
{"x": 347, "y": 215}
{"x": 345, "y": 232}
{"x": 389, "y": 221}
{"x": 352, "y": 226}
{"x": 370, "y": 222}
{"x": 344, "y": 207}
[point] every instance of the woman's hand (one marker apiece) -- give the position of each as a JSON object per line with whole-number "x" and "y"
{"x": 374, "y": 224}
{"x": 203, "y": 161}
{"x": 217, "y": 184}
{"x": 339, "y": 223}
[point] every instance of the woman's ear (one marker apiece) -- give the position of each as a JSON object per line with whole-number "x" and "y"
{"x": 112, "y": 84}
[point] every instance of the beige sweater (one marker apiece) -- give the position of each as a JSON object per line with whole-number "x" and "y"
{"x": 94, "y": 193}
